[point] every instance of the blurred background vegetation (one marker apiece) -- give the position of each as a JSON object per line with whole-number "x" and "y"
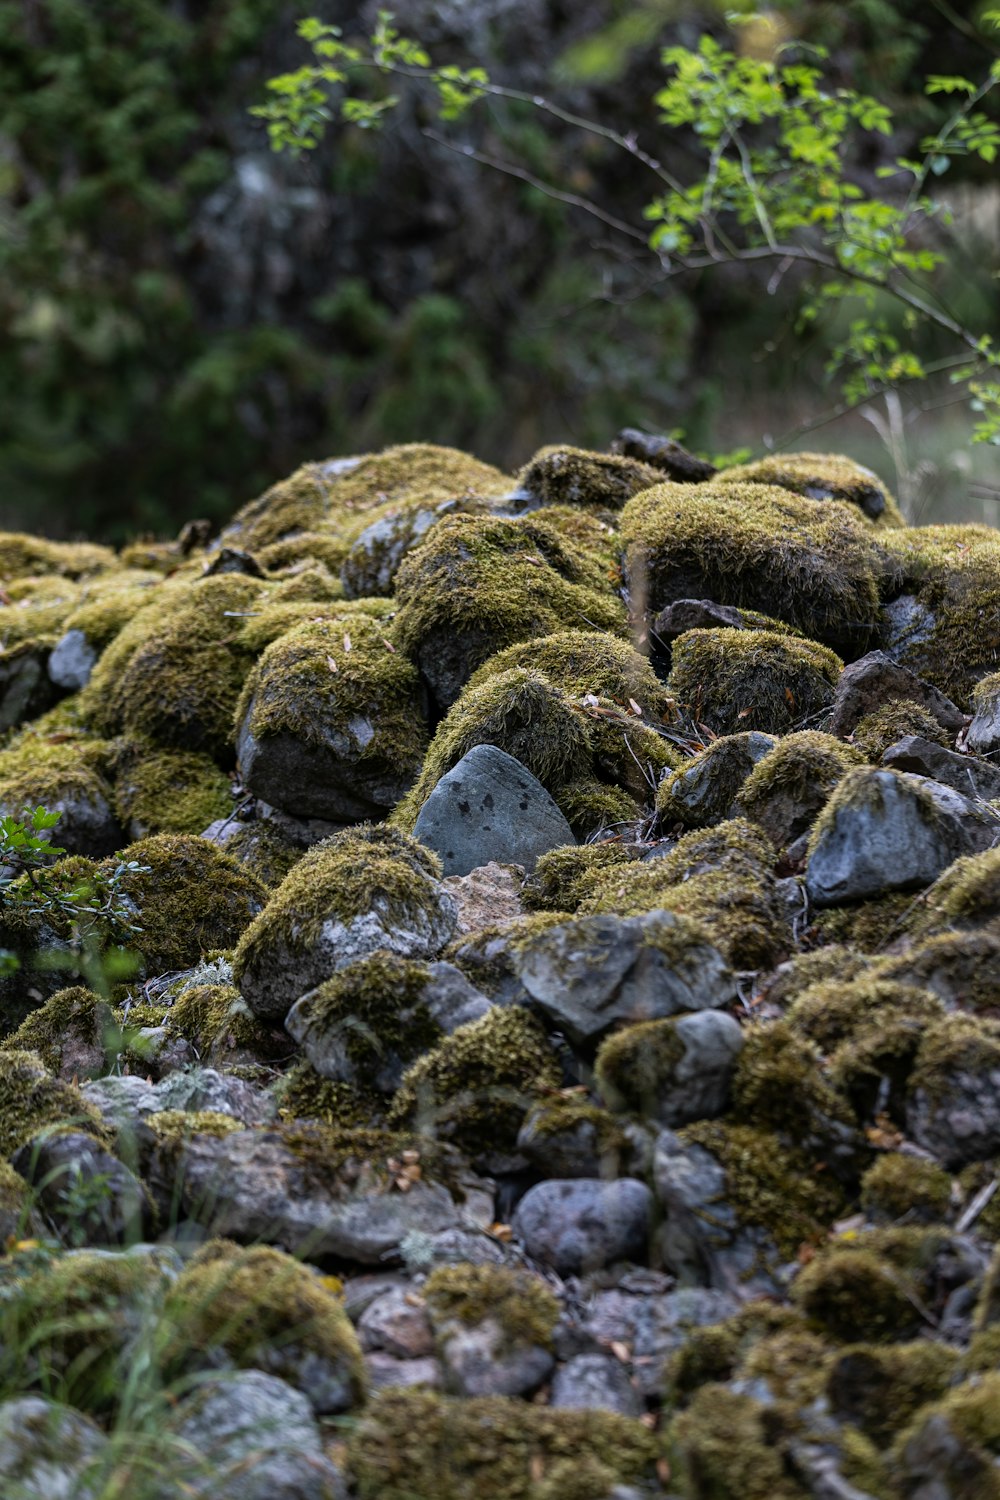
{"x": 185, "y": 317}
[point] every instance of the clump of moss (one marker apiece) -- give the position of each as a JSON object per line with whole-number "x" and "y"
{"x": 752, "y": 679}
{"x": 959, "y": 1435}
{"x": 803, "y": 970}
{"x": 567, "y": 1125}
{"x": 101, "y": 617}
{"x": 74, "y": 1027}
{"x": 33, "y": 1101}
{"x": 951, "y": 1047}
{"x": 168, "y": 791}
{"x": 855, "y": 1295}
{"x": 880, "y": 1388}
{"x": 32, "y": 556}
{"x": 587, "y": 663}
{"x": 821, "y": 476}
{"x": 417, "y": 1445}
{"x": 830, "y": 1011}
{"x": 303, "y": 547}
{"x": 962, "y": 968}
{"x": 574, "y": 476}
{"x": 873, "y": 1064}
{"x": 413, "y": 471}
{"x": 720, "y": 878}
{"x": 727, "y": 1445}
{"x": 302, "y": 1094}
{"x": 476, "y": 1085}
{"x": 875, "y": 732}
{"x": 636, "y": 1065}
{"x": 67, "y": 775}
{"x": 296, "y": 504}
{"x": 906, "y": 1187}
{"x": 702, "y": 790}
{"x": 478, "y": 583}
{"x": 758, "y": 547}
{"x": 778, "y": 1084}
{"x": 217, "y": 1021}
{"x": 966, "y": 896}
{"x": 562, "y": 877}
{"x": 787, "y": 788}
{"x": 516, "y": 1299}
{"x": 866, "y": 926}
{"x": 265, "y": 1310}
{"x": 714, "y": 1351}
{"x": 264, "y": 849}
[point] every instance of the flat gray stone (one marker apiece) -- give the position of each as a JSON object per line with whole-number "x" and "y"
{"x": 595, "y": 1381}
{"x": 964, "y": 773}
{"x": 490, "y": 807}
{"x": 983, "y": 734}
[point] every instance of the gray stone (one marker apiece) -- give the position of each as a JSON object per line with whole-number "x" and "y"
{"x": 654, "y": 1325}
{"x": 89, "y": 1195}
{"x": 594, "y": 1144}
{"x": 885, "y": 831}
{"x": 478, "y": 1361}
{"x": 959, "y": 1120}
{"x": 46, "y": 1450}
{"x": 251, "y": 1186}
{"x": 983, "y": 735}
{"x": 72, "y": 661}
{"x": 695, "y": 1083}
{"x": 594, "y": 973}
{"x": 397, "y": 1322}
{"x": 595, "y": 1381}
{"x": 874, "y": 680}
{"x": 126, "y": 1101}
{"x": 908, "y": 624}
{"x": 490, "y": 808}
{"x": 25, "y": 689}
{"x": 87, "y": 824}
{"x": 384, "y": 1370}
{"x": 693, "y": 614}
{"x": 581, "y": 1224}
{"x": 963, "y": 773}
{"x": 452, "y": 1247}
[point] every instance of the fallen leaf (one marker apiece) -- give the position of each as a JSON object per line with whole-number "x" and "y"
{"x": 635, "y": 708}
{"x": 388, "y": 645}
{"x": 620, "y": 1351}
{"x": 537, "y": 1468}
{"x": 332, "y": 664}
{"x": 347, "y": 643}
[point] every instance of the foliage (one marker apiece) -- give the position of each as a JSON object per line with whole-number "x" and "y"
{"x": 777, "y": 147}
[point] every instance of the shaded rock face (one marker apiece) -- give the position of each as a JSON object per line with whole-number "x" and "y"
{"x": 518, "y": 1153}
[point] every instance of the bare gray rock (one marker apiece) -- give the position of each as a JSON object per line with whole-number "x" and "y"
{"x": 72, "y": 661}
{"x": 397, "y": 1323}
{"x": 490, "y": 808}
{"x": 581, "y": 1224}
{"x": 46, "y": 1450}
{"x": 983, "y": 735}
{"x": 88, "y": 1194}
{"x": 25, "y": 688}
{"x": 595, "y": 1381}
{"x": 594, "y": 973}
{"x": 873, "y": 680}
{"x": 964, "y": 773}
{"x": 654, "y": 1324}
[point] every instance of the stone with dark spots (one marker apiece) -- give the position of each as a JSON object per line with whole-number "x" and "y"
{"x": 490, "y": 807}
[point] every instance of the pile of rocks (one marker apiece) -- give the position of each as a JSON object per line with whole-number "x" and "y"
{"x": 565, "y": 1039}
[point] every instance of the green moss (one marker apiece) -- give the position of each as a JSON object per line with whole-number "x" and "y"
{"x": 789, "y": 1362}
{"x": 262, "y": 848}
{"x": 854, "y": 1295}
{"x": 563, "y": 877}
{"x": 885, "y": 726}
{"x": 365, "y": 869}
{"x": 881, "y": 1043}
{"x": 789, "y": 786}
{"x": 635, "y": 1066}
{"x": 481, "y": 583}
{"x": 953, "y": 1045}
{"x": 866, "y": 926}
{"x": 32, "y": 1101}
{"x": 966, "y": 896}
{"x": 768, "y": 1185}
{"x": 516, "y": 1299}
{"x": 822, "y": 476}
{"x": 800, "y": 973}
{"x": 417, "y": 1445}
{"x": 101, "y": 618}
{"x": 570, "y": 1115}
{"x": 36, "y": 770}
{"x": 71, "y": 1016}
{"x": 758, "y": 547}
{"x": 574, "y": 476}
{"x": 726, "y": 1446}
{"x": 906, "y": 1187}
{"x": 298, "y": 503}
{"x": 593, "y": 809}
{"x": 971, "y": 1180}
{"x": 703, "y": 789}
{"x": 307, "y": 585}
{"x": 982, "y": 1357}
{"x": 318, "y": 547}
{"x": 217, "y": 1021}
{"x": 964, "y": 1438}
{"x": 751, "y": 679}
{"x": 302, "y": 1094}
{"x": 318, "y": 679}
{"x": 587, "y": 662}
{"x": 477, "y": 1084}
{"x": 714, "y": 1351}
{"x": 173, "y": 1128}
{"x": 256, "y": 1304}
{"x": 191, "y": 898}
{"x": 963, "y": 968}
{"x": 168, "y": 791}
{"x": 881, "y": 1388}
{"x": 720, "y": 878}
{"x": 779, "y": 1085}
{"x": 32, "y": 556}
{"x": 37, "y": 610}
{"x": 417, "y": 471}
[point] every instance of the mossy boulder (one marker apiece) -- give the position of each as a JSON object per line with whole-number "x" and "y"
{"x": 569, "y": 1135}
{"x": 589, "y": 663}
{"x": 704, "y": 789}
{"x": 68, "y": 775}
{"x": 167, "y": 791}
{"x": 35, "y": 1101}
{"x": 876, "y": 731}
{"x": 574, "y": 476}
{"x": 379, "y": 546}
{"x": 263, "y": 1310}
{"x": 474, "y": 1088}
{"x": 219, "y": 1024}
{"x": 855, "y": 1294}
{"x": 899, "y": 1186}
{"x": 952, "y": 1103}
{"x": 954, "y": 1443}
{"x": 478, "y": 584}
{"x": 759, "y": 547}
{"x": 330, "y": 724}
{"x": 789, "y": 786}
{"x": 961, "y": 968}
{"x": 822, "y": 476}
{"x": 965, "y": 897}
{"x": 74, "y": 1033}
{"x": 494, "y": 1328}
{"x": 673, "y": 1071}
{"x": 562, "y": 878}
{"x": 23, "y": 556}
{"x": 738, "y": 680}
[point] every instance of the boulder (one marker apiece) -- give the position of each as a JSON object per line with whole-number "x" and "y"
{"x": 672, "y": 1071}
{"x": 579, "y": 1224}
{"x": 967, "y": 774}
{"x": 873, "y": 680}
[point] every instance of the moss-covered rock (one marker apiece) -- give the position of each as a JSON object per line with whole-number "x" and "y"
{"x": 961, "y": 968}
{"x": 417, "y": 1445}
{"x": 752, "y": 679}
{"x": 875, "y": 732}
{"x": 724, "y": 1448}
{"x": 880, "y": 1388}
{"x": 821, "y": 476}
{"x": 475, "y": 1087}
{"x": 704, "y": 789}
{"x": 855, "y": 1295}
{"x": 330, "y": 724}
{"x": 223, "y": 1030}
{"x": 952, "y": 1107}
{"x": 832, "y": 1009}
{"x": 899, "y": 1186}
{"x": 66, "y": 773}
{"x": 673, "y": 1070}
{"x": 24, "y": 556}
{"x": 562, "y": 878}
{"x": 303, "y": 1094}
{"x": 758, "y": 547}
{"x": 966, "y": 896}
{"x": 478, "y": 584}
{"x": 954, "y": 1443}
{"x": 359, "y": 891}
{"x": 519, "y": 1301}
{"x": 33, "y": 1101}
{"x": 574, "y": 476}
{"x": 588, "y": 663}
{"x": 73, "y": 1032}
{"x": 264, "y": 848}
{"x": 168, "y": 791}
{"x": 790, "y": 785}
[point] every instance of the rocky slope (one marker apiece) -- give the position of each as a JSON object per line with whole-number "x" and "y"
{"x": 561, "y": 1055}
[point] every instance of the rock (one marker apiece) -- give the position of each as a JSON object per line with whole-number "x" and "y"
{"x": 385, "y": 1370}
{"x": 397, "y": 1323}
{"x": 983, "y": 735}
{"x": 595, "y": 1380}
{"x": 594, "y": 973}
{"x": 233, "y": 560}
{"x": 884, "y": 831}
{"x": 254, "y": 1438}
{"x": 46, "y": 1449}
{"x": 477, "y": 1362}
{"x": 489, "y": 896}
{"x": 654, "y": 1324}
{"x": 488, "y": 809}
{"x": 873, "y": 680}
{"x": 963, "y": 773}
{"x": 72, "y": 660}
{"x": 371, "y": 565}
{"x": 672, "y": 1071}
{"x": 324, "y": 1202}
{"x": 580, "y": 1224}
{"x": 693, "y": 614}
{"x": 704, "y": 789}
{"x": 89, "y": 1195}
{"x": 126, "y": 1101}
{"x": 452, "y": 1247}
{"x": 569, "y": 1136}
{"x": 25, "y": 689}
{"x": 953, "y": 1093}
{"x": 664, "y": 453}
{"x": 790, "y": 786}
{"x": 575, "y": 476}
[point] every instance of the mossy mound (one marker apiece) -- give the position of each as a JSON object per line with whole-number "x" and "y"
{"x": 855, "y": 1294}
{"x": 66, "y": 773}
{"x": 906, "y": 1187}
{"x": 831, "y": 1009}
{"x": 788, "y": 788}
{"x": 168, "y": 791}
{"x": 517, "y": 1300}
{"x": 562, "y": 878}
{"x": 23, "y": 556}
{"x": 875, "y": 732}
{"x": 822, "y": 476}
{"x": 477, "y": 584}
{"x": 265, "y": 1310}
{"x": 264, "y": 849}
{"x": 703, "y": 790}
{"x": 588, "y": 663}
{"x": 758, "y": 547}
{"x": 33, "y": 1101}
{"x": 379, "y": 539}
{"x": 720, "y": 878}
{"x": 965, "y": 897}
{"x": 74, "y": 1033}
{"x": 734, "y": 680}
{"x": 477, "y": 1084}
{"x": 417, "y": 1445}
{"x": 303, "y": 1094}
{"x": 962, "y": 968}
{"x": 867, "y": 926}
{"x": 778, "y": 1084}
{"x": 217, "y": 1021}
{"x": 575, "y": 476}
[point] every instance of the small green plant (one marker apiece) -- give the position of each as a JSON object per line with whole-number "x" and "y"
{"x": 774, "y": 146}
